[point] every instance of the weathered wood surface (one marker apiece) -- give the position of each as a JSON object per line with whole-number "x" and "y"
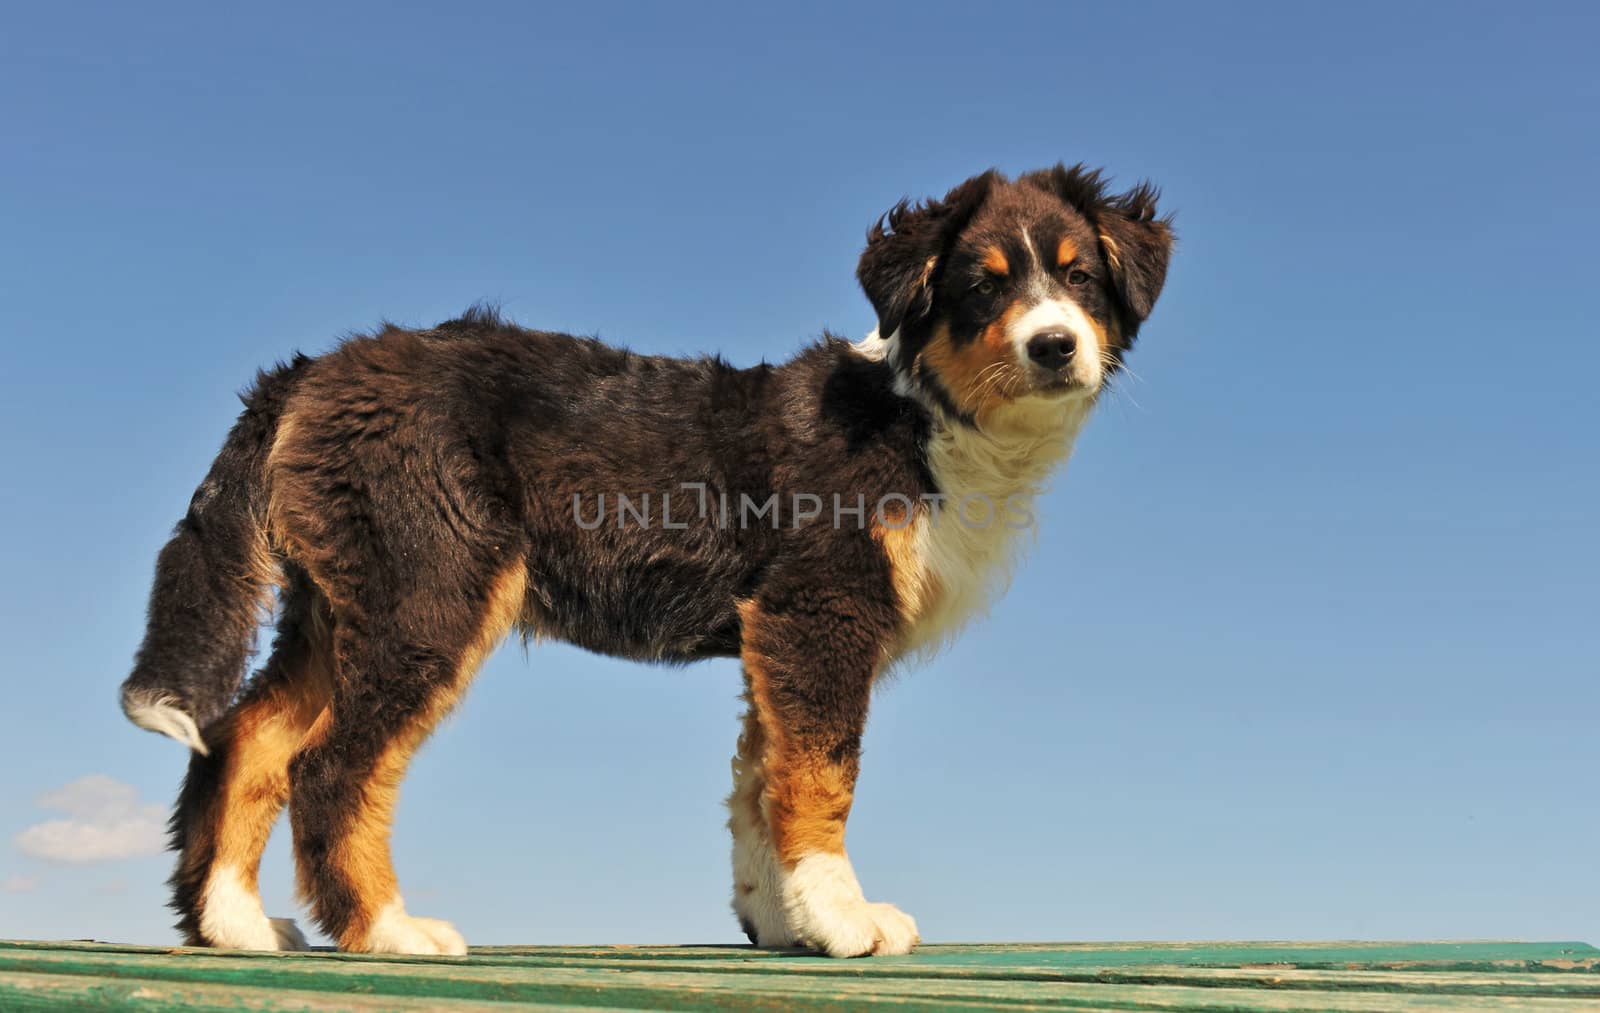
{"x": 1119, "y": 976}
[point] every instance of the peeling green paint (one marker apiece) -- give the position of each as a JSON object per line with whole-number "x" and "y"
{"x": 1129, "y": 976}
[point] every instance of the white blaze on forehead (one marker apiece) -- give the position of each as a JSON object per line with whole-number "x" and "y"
{"x": 1057, "y": 314}
{"x": 1033, "y": 251}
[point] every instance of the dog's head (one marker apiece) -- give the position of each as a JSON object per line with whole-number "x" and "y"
{"x": 1005, "y": 291}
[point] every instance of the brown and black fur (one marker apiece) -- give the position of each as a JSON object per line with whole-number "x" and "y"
{"x": 414, "y": 496}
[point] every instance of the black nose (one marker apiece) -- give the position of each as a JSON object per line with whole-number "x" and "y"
{"x": 1052, "y": 349}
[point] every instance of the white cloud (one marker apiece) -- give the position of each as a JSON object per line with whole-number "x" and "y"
{"x": 19, "y": 884}
{"x": 105, "y": 821}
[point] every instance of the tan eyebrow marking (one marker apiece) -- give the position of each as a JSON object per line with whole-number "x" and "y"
{"x": 995, "y": 260}
{"x": 1066, "y": 253}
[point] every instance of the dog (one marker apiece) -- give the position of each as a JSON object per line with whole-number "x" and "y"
{"x": 412, "y": 496}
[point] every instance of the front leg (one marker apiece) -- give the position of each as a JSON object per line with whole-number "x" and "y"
{"x": 757, "y": 883}
{"x": 809, "y": 673}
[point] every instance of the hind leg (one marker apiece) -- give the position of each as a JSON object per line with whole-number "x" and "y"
{"x": 231, "y": 798}
{"x": 400, "y": 670}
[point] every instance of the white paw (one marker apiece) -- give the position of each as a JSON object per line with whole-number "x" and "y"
{"x": 394, "y": 931}
{"x": 444, "y": 936}
{"x": 825, "y": 910}
{"x": 288, "y": 934}
{"x": 231, "y": 917}
{"x": 757, "y": 886}
{"x": 897, "y": 931}
{"x": 760, "y": 912}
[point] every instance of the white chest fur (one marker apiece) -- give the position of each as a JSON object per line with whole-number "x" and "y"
{"x": 956, "y": 557}
{"x": 948, "y": 564}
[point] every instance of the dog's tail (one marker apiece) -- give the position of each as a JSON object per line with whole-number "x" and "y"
{"x": 205, "y": 606}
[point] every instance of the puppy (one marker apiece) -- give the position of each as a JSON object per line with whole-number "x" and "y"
{"x": 414, "y": 496}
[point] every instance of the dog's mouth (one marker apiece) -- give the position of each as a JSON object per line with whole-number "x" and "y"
{"x": 1057, "y": 386}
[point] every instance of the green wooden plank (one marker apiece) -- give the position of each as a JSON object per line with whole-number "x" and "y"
{"x": 1464, "y": 954}
{"x": 24, "y": 993}
{"x": 1133, "y": 976}
{"x": 592, "y": 986}
{"x": 1444, "y": 976}
{"x": 50, "y": 992}
{"x": 674, "y": 985}
{"x": 1035, "y": 959}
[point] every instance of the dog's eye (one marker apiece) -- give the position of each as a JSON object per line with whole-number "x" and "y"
{"x": 986, "y": 287}
{"x": 1077, "y": 277}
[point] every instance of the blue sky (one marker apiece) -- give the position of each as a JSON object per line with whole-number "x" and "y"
{"x": 1307, "y": 647}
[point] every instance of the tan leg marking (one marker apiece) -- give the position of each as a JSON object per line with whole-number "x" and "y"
{"x": 806, "y": 796}
{"x": 263, "y": 734}
{"x": 363, "y": 856}
{"x": 266, "y": 735}
{"x": 806, "y": 800}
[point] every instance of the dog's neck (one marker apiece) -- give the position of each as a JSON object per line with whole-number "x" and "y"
{"x": 1011, "y": 451}
{"x": 952, "y": 569}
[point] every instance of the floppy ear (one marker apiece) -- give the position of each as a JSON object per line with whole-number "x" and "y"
{"x": 905, "y": 247}
{"x": 1137, "y": 244}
